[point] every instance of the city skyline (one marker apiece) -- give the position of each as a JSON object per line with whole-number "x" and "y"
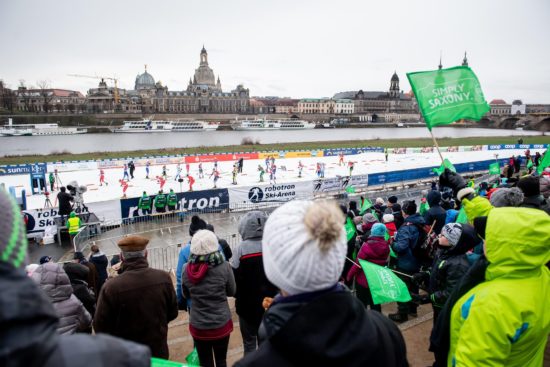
{"x": 299, "y": 50}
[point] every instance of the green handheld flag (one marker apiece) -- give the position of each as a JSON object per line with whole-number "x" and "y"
{"x": 529, "y": 164}
{"x": 350, "y": 189}
{"x": 446, "y": 164}
{"x": 350, "y": 229}
{"x": 545, "y": 162}
{"x": 447, "y": 95}
{"x": 192, "y": 359}
{"x": 157, "y": 362}
{"x": 462, "y": 217}
{"x": 384, "y": 285}
{"x": 494, "y": 168}
{"x": 365, "y": 206}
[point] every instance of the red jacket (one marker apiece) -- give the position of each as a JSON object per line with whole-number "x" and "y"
{"x": 391, "y": 228}
{"x": 377, "y": 251}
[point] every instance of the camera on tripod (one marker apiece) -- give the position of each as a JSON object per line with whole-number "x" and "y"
{"x": 77, "y": 192}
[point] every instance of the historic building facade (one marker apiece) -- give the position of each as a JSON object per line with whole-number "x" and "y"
{"x": 49, "y": 100}
{"x": 393, "y": 105}
{"x": 204, "y": 94}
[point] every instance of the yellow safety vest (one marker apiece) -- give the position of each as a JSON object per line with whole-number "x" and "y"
{"x": 74, "y": 225}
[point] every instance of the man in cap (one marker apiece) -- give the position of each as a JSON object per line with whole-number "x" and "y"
{"x": 138, "y": 304}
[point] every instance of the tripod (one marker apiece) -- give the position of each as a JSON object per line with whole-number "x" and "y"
{"x": 57, "y": 180}
{"x": 47, "y": 202}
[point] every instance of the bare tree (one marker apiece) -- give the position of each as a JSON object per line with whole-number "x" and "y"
{"x": 24, "y": 95}
{"x": 7, "y": 97}
{"x": 46, "y": 93}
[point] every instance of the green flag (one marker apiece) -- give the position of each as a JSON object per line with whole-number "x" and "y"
{"x": 350, "y": 229}
{"x": 446, "y": 164}
{"x": 545, "y": 162}
{"x": 365, "y": 206}
{"x": 350, "y": 189}
{"x": 192, "y": 359}
{"x": 462, "y": 217}
{"x": 494, "y": 168}
{"x": 384, "y": 285}
{"x": 529, "y": 164}
{"x": 447, "y": 95}
{"x": 157, "y": 362}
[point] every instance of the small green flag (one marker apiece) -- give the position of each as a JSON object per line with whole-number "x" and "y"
{"x": 529, "y": 164}
{"x": 446, "y": 164}
{"x": 350, "y": 189}
{"x": 545, "y": 162}
{"x": 384, "y": 285}
{"x": 462, "y": 217}
{"x": 192, "y": 359}
{"x": 157, "y": 362}
{"x": 365, "y": 206}
{"x": 494, "y": 168}
{"x": 350, "y": 229}
{"x": 448, "y": 95}
{"x": 392, "y": 253}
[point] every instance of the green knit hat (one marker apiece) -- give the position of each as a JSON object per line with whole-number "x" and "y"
{"x": 13, "y": 238}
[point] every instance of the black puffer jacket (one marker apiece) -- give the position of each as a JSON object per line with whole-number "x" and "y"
{"x": 28, "y": 325}
{"x": 78, "y": 274}
{"x": 450, "y": 266}
{"x": 327, "y": 328}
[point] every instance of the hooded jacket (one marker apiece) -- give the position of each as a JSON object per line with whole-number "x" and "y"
{"x": 450, "y": 266}
{"x": 28, "y": 324}
{"x": 377, "y": 251}
{"x": 248, "y": 268}
{"x": 78, "y": 274}
{"x": 504, "y": 321}
{"x": 100, "y": 261}
{"x": 326, "y": 328}
{"x": 436, "y": 212}
{"x": 55, "y": 283}
{"x": 405, "y": 241}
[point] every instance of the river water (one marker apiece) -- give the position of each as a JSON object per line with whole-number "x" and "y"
{"x": 84, "y": 143}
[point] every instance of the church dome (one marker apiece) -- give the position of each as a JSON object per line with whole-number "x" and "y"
{"x": 144, "y": 80}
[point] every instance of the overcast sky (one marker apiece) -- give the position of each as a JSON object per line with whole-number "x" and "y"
{"x": 278, "y": 48}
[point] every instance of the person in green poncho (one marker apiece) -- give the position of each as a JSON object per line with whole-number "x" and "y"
{"x": 145, "y": 204}
{"x": 51, "y": 178}
{"x": 172, "y": 200}
{"x": 424, "y": 206}
{"x": 160, "y": 202}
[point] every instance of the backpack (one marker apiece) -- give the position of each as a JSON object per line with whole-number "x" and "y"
{"x": 426, "y": 244}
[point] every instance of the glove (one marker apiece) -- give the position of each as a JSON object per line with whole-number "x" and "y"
{"x": 419, "y": 278}
{"x": 452, "y": 179}
{"x": 420, "y": 299}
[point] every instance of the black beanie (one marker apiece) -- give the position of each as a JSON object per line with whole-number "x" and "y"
{"x": 196, "y": 225}
{"x": 530, "y": 186}
{"x": 480, "y": 223}
{"x": 409, "y": 207}
{"x": 392, "y": 199}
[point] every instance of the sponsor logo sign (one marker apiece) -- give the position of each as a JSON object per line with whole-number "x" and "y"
{"x": 269, "y": 193}
{"x": 23, "y": 169}
{"x": 220, "y": 157}
{"x": 211, "y": 200}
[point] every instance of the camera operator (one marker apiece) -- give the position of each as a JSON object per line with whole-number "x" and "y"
{"x": 64, "y": 200}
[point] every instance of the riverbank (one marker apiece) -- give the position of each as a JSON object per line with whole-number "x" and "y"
{"x": 386, "y": 143}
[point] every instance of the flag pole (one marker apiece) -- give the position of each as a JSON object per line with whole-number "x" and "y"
{"x": 395, "y": 271}
{"x": 436, "y": 145}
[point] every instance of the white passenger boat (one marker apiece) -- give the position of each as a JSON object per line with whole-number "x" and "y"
{"x": 160, "y": 126}
{"x": 38, "y": 130}
{"x": 293, "y": 124}
{"x": 258, "y": 124}
{"x": 265, "y": 124}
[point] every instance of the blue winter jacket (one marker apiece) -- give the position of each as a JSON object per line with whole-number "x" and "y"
{"x": 405, "y": 241}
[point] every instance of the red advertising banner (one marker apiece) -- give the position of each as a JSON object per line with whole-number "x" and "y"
{"x": 219, "y": 157}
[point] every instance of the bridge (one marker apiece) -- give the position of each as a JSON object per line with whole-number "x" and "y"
{"x": 533, "y": 121}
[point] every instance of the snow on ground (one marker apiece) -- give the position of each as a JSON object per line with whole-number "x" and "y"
{"x": 287, "y": 171}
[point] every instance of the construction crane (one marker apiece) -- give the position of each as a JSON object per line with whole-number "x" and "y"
{"x": 115, "y": 80}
